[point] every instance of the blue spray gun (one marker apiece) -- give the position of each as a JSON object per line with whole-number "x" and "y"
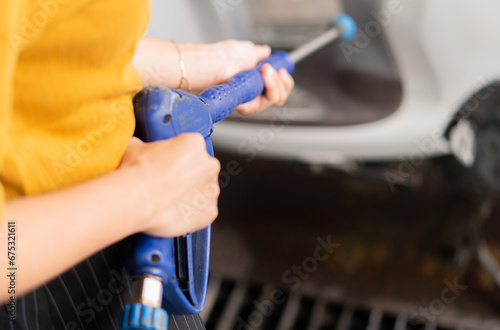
{"x": 173, "y": 272}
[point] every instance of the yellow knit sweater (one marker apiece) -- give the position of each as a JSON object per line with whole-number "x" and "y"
{"x": 66, "y": 88}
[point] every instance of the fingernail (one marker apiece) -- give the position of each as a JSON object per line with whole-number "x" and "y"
{"x": 272, "y": 70}
{"x": 287, "y": 75}
{"x": 269, "y": 70}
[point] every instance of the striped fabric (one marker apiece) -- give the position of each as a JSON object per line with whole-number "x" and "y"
{"x": 89, "y": 296}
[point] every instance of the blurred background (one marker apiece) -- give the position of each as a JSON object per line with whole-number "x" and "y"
{"x": 386, "y": 158}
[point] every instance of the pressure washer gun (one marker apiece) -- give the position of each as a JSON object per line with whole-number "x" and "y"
{"x": 173, "y": 272}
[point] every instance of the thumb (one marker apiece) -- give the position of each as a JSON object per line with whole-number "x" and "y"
{"x": 262, "y": 51}
{"x": 132, "y": 148}
{"x": 134, "y": 141}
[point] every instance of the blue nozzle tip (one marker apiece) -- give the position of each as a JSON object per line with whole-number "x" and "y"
{"x": 347, "y": 26}
{"x": 137, "y": 316}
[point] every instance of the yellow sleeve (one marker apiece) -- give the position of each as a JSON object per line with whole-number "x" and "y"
{"x": 12, "y": 41}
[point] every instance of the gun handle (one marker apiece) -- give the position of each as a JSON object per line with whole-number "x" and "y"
{"x": 181, "y": 262}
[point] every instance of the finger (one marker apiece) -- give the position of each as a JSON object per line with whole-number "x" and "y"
{"x": 287, "y": 80}
{"x": 271, "y": 77}
{"x": 282, "y": 90}
{"x": 212, "y": 189}
{"x": 245, "y": 108}
{"x": 257, "y": 104}
{"x": 262, "y": 51}
{"x": 285, "y": 84}
{"x": 214, "y": 168}
{"x": 276, "y": 91}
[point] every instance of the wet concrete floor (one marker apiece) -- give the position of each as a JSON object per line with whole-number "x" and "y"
{"x": 393, "y": 249}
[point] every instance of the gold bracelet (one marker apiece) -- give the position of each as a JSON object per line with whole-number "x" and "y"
{"x": 183, "y": 69}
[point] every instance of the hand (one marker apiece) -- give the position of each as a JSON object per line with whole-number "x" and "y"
{"x": 157, "y": 62}
{"x": 179, "y": 180}
{"x": 278, "y": 87}
{"x": 217, "y": 63}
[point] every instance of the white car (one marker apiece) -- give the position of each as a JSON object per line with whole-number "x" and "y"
{"x": 418, "y": 81}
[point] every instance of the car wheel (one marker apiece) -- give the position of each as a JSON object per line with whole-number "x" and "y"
{"x": 475, "y": 143}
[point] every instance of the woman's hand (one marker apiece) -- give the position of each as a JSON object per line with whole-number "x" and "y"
{"x": 211, "y": 64}
{"x": 278, "y": 84}
{"x": 220, "y": 61}
{"x": 179, "y": 180}
{"x": 165, "y": 188}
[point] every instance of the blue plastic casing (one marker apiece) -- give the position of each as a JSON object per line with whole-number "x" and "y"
{"x": 139, "y": 316}
{"x": 347, "y": 26}
{"x": 162, "y": 113}
{"x": 181, "y": 262}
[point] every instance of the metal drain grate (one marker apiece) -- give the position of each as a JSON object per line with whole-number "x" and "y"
{"x": 232, "y": 305}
